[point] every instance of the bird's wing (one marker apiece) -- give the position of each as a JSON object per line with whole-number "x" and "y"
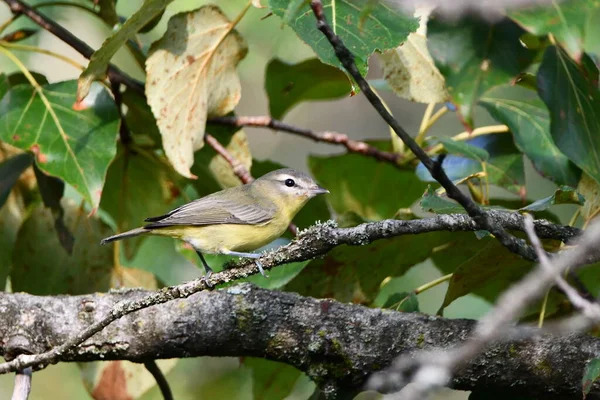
{"x": 242, "y": 208}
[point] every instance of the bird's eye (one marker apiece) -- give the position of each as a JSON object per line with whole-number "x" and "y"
{"x": 289, "y": 182}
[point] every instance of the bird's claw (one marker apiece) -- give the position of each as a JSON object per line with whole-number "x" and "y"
{"x": 260, "y": 268}
{"x": 206, "y": 281}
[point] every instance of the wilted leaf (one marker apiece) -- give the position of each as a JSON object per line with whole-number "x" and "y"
{"x": 136, "y": 188}
{"x": 590, "y": 190}
{"x": 382, "y": 28}
{"x": 562, "y": 195}
{"x": 350, "y": 273}
{"x": 18, "y": 35}
{"x": 76, "y": 146}
{"x": 573, "y": 99}
{"x": 474, "y": 56}
{"x": 410, "y": 70}
{"x": 191, "y": 76}
{"x": 590, "y": 375}
{"x": 42, "y": 266}
{"x": 99, "y": 61}
{"x": 567, "y": 20}
{"x": 504, "y": 167}
{"x": 290, "y": 84}
{"x": 10, "y": 170}
{"x": 271, "y": 380}
{"x": 374, "y": 190}
{"x": 529, "y": 121}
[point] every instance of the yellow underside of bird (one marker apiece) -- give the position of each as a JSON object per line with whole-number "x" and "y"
{"x": 221, "y": 238}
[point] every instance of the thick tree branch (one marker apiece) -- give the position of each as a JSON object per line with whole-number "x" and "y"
{"x": 346, "y": 58}
{"x": 352, "y": 146}
{"x": 337, "y": 345}
{"x": 114, "y": 74}
{"x": 313, "y": 242}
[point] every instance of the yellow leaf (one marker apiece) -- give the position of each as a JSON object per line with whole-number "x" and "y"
{"x": 191, "y": 75}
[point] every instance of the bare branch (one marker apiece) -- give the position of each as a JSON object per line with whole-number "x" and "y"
{"x": 337, "y": 345}
{"x": 495, "y": 326}
{"x": 238, "y": 169}
{"x": 313, "y": 242}
{"x": 352, "y": 146}
{"x": 160, "y": 379}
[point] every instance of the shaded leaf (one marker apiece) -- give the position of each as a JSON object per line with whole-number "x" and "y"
{"x": 504, "y": 168}
{"x": 474, "y": 56}
{"x": 464, "y": 149}
{"x": 573, "y": 99}
{"x": 374, "y": 190}
{"x": 290, "y": 84}
{"x": 136, "y": 188}
{"x": 529, "y": 121}
{"x": 590, "y": 190}
{"x": 591, "y": 44}
{"x": 4, "y": 85}
{"x": 382, "y": 28}
{"x": 567, "y": 20}
{"x": 18, "y": 35}
{"x": 410, "y": 70}
{"x": 191, "y": 76}
{"x": 355, "y": 274}
{"x": 405, "y": 302}
{"x": 99, "y": 61}
{"x": 108, "y": 11}
{"x": 10, "y": 170}
{"x": 139, "y": 117}
{"x": 562, "y": 195}
{"x": 42, "y": 266}
{"x": 271, "y": 380}
{"x": 19, "y": 78}
{"x": 12, "y": 214}
{"x": 431, "y": 202}
{"x": 76, "y": 146}
{"x": 590, "y": 375}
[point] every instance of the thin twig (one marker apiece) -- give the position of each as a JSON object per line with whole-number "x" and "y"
{"x": 326, "y": 137}
{"x": 238, "y": 168}
{"x": 344, "y": 55}
{"x": 22, "y": 384}
{"x": 160, "y": 379}
{"x": 313, "y": 242}
{"x": 114, "y": 74}
{"x": 124, "y": 132}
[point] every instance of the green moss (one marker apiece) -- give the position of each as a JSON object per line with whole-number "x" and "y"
{"x": 243, "y": 313}
{"x": 421, "y": 340}
{"x": 512, "y": 350}
{"x": 543, "y": 367}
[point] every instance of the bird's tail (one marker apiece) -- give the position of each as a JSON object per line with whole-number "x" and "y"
{"x": 124, "y": 235}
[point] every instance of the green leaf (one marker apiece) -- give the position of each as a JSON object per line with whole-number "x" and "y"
{"x": 290, "y": 84}
{"x": 504, "y": 167}
{"x": 139, "y": 118}
{"x": 474, "y": 56}
{"x": 374, "y": 190}
{"x": 562, "y": 195}
{"x": 12, "y": 214}
{"x": 590, "y": 190}
{"x": 271, "y": 380}
{"x": 76, "y": 146}
{"x": 431, "y": 202}
{"x": 10, "y": 170}
{"x": 4, "y": 85}
{"x": 42, "y": 266}
{"x": 355, "y": 273}
{"x": 136, "y": 188}
{"x": 590, "y": 375}
{"x": 99, "y": 61}
{"x": 380, "y": 29}
{"x": 405, "y": 302}
{"x": 567, "y": 20}
{"x": 529, "y": 121}
{"x": 573, "y": 99}
{"x": 464, "y": 149}
{"x": 591, "y": 43}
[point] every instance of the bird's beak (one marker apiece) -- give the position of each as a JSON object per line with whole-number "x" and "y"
{"x": 316, "y": 189}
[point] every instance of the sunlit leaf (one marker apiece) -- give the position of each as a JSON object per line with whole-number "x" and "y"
{"x": 567, "y": 20}
{"x": 573, "y": 99}
{"x": 290, "y": 84}
{"x": 529, "y": 121}
{"x": 99, "y": 61}
{"x": 474, "y": 56}
{"x": 380, "y": 29}
{"x": 590, "y": 375}
{"x": 76, "y": 146}
{"x": 191, "y": 75}
{"x": 42, "y": 266}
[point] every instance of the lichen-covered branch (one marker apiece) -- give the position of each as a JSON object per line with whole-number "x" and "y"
{"x": 337, "y": 345}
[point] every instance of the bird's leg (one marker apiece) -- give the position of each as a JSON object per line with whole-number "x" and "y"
{"x": 207, "y": 270}
{"x": 248, "y": 255}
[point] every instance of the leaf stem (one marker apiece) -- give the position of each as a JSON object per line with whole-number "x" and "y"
{"x": 432, "y": 284}
{"x": 424, "y": 122}
{"x": 48, "y": 4}
{"x": 35, "y": 49}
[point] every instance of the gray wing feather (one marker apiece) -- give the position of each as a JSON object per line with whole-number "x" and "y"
{"x": 217, "y": 209}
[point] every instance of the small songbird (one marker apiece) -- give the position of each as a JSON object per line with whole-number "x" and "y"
{"x": 237, "y": 220}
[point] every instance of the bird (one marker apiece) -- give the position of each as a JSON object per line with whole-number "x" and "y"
{"x": 235, "y": 221}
